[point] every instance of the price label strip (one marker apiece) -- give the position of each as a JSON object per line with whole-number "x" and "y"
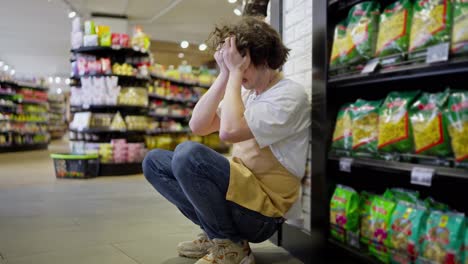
{"x": 345, "y": 164}
{"x": 437, "y": 53}
{"x": 371, "y": 66}
{"x": 422, "y": 176}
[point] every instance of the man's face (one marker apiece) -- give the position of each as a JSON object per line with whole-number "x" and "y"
{"x": 250, "y": 77}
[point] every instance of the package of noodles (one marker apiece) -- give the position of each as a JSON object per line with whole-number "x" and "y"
{"x": 364, "y": 126}
{"x": 394, "y": 28}
{"x": 342, "y": 45}
{"x": 457, "y": 118}
{"x": 362, "y": 29}
{"x": 394, "y": 127}
{"x": 342, "y": 136}
{"x": 431, "y": 23}
{"x": 429, "y": 126}
{"x": 460, "y": 27}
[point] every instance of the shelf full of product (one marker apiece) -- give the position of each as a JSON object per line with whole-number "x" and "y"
{"x": 57, "y": 116}
{"x": 23, "y": 116}
{"x": 393, "y": 164}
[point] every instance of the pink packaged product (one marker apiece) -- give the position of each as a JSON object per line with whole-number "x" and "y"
{"x": 118, "y": 141}
{"x": 115, "y": 39}
{"x": 124, "y": 41}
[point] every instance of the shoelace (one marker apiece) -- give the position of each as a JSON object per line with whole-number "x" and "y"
{"x": 218, "y": 253}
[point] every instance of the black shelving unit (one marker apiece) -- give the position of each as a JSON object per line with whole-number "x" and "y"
{"x": 119, "y": 169}
{"x": 108, "y": 51}
{"x": 24, "y": 147}
{"x": 123, "y": 109}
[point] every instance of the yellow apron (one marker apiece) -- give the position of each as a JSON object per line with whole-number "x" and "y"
{"x": 259, "y": 182}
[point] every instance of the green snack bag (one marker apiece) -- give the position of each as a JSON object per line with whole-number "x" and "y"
{"x": 362, "y": 29}
{"x": 457, "y": 118}
{"x": 432, "y": 23}
{"x": 380, "y": 216}
{"x": 430, "y": 133}
{"x": 405, "y": 228}
{"x": 342, "y": 136}
{"x": 364, "y": 125}
{"x": 344, "y": 212}
{"x": 399, "y": 194}
{"x": 365, "y": 205}
{"x": 394, "y": 128}
{"x": 460, "y": 27}
{"x": 342, "y": 45}
{"x": 465, "y": 248}
{"x": 394, "y": 28}
{"x": 442, "y": 239}
{"x": 435, "y": 205}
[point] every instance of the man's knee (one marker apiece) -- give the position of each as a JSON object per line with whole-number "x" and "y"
{"x": 150, "y": 163}
{"x": 184, "y": 155}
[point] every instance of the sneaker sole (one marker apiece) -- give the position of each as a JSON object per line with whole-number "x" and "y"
{"x": 249, "y": 259}
{"x": 192, "y": 255}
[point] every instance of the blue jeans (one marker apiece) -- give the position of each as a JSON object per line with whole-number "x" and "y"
{"x": 195, "y": 178}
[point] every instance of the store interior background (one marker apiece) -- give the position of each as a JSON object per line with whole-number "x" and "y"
{"x": 112, "y": 219}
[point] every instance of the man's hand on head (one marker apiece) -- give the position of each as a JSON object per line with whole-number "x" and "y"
{"x": 234, "y": 61}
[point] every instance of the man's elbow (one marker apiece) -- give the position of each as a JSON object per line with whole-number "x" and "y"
{"x": 196, "y": 129}
{"x": 228, "y": 136}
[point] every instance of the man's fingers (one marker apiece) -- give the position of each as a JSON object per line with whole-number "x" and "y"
{"x": 233, "y": 43}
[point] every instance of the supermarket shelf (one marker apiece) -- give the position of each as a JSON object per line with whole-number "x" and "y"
{"x": 25, "y": 147}
{"x": 176, "y": 117}
{"x": 29, "y": 101}
{"x": 102, "y": 51}
{"x": 174, "y": 100}
{"x": 118, "y": 169}
{"x": 165, "y": 131}
{"x": 402, "y": 168}
{"x": 25, "y": 122}
{"x": 354, "y": 253}
{"x": 403, "y": 73}
{"x": 180, "y": 82}
{"x": 23, "y": 133}
{"x": 109, "y": 108}
{"x": 104, "y": 130}
{"x": 7, "y": 94}
{"x": 126, "y": 78}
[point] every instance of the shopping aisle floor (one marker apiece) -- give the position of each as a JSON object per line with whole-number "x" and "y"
{"x": 115, "y": 220}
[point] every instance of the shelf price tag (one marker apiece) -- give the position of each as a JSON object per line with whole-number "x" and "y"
{"x": 345, "y": 164}
{"x": 422, "y": 176}
{"x": 371, "y": 66}
{"x": 437, "y": 53}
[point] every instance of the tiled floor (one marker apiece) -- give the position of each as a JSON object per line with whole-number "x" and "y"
{"x": 115, "y": 220}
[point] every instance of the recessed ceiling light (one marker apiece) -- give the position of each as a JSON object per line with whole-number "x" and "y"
{"x": 202, "y": 47}
{"x": 58, "y": 80}
{"x": 72, "y": 14}
{"x": 232, "y": 1}
{"x": 67, "y": 81}
{"x": 1, "y": 63}
{"x": 51, "y": 79}
{"x": 6, "y": 67}
{"x": 184, "y": 44}
{"x": 59, "y": 90}
{"x": 12, "y": 72}
{"x": 180, "y": 55}
{"x": 237, "y": 11}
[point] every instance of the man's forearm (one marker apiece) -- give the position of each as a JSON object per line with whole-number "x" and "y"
{"x": 233, "y": 107}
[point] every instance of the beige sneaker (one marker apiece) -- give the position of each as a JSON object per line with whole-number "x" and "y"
{"x": 196, "y": 248}
{"x": 227, "y": 252}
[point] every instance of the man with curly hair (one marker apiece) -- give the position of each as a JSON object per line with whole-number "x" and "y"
{"x": 267, "y": 118}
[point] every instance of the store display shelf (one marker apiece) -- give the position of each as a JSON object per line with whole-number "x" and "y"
{"x": 401, "y": 168}
{"x": 32, "y": 101}
{"x": 176, "y": 117}
{"x": 106, "y": 130}
{"x": 180, "y": 82}
{"x": 103, "y": 51}
{"x": 403, "y": 73}
{"x": 7, "y": 94}
{"x": 22, "y": 133}
{"x": 126, "y": 78}
{"x": 109, "y": 108}
{"x": 24, "y": 147}
{"x": 119, "y": 169}
{"x": 24, "y": 122}
{"x": 31, "y": 86}
{"x": 167, "y": 131}
{"x": 353, "y": 252}
{"x": 168, "y": 99}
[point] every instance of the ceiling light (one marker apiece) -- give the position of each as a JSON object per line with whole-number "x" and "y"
{"x": 51, "y": 79}
{"x": 59, "y": 90}
{"x": 202, "y": 47}
{"x": 180, "y": 55}
{"x": 58, "y": 80}
{"x": 184, "y": 62}
{"x": 184, "y": 44}
{"x": 67, "y": 81}
{"x": 232, "y": 1}
{"x": 6, "y": 67}
{"x": 12, "y": 72}
{"x": 72, "y": 14}
{"x": 1, "y": 63}
{"x": 238, "y": 11}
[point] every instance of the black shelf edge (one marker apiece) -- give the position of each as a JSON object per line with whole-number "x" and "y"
{"x": 180, "y": 82}
{"x": 26, "y": 122}
{"x": 91, "y": 108}
{"x": 120, "y": 169}
{"x": 175, "y": 117}
{"x": 173, "y": 100}
{"x": 403, "y": 167}
{"x": 411, "y": 72}
{"x": 109, "y": 50}
{"x": 101, "y": 130}
{"x": 25, "y": 147}
{"x": 158, "y": 132}
{"x": 354, "y": 252}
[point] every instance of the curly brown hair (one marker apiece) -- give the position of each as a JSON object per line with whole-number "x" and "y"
{"x": 262, "y": 41}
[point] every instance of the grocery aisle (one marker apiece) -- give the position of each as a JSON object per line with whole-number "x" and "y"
{"x": 103, "y": 220}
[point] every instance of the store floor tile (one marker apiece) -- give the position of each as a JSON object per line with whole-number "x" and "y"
{"x": 104, "y": 220}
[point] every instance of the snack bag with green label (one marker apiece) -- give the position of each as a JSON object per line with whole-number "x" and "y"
{"x": 460, "y": 27}
{"x": 365, "y": 203}
{"x": 466, "y": 243}
{"x": 405, "y": 228}
{"x": 435, "y": 205}
{"x": 399, "y": 194}
{"x": 342, "y": 45}
{"x": 364, "y": 125}
{"x": 362, "y": 29}
{"x": 457, "y": 118}
{"x": 342, "y": 136}
{"x": 344, "y": 212}
{"x": 432, "y": 23}
{"x": 394, "y": 28}
{"x": 429, "y": 126}
{"x": 380, "y": 216}
{"x": 442, "y": 239}
{"x": 394, "y": 126}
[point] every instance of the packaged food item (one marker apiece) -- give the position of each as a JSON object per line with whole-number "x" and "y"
{"x": 405, "y": 228}
{"x": 118, "y": 123}
{"x": 362, "y": 29}
{"x": 394, "y": 28}
{"x": 115, "y": 39}
{"x": 435, "y": 205}
{"x": 365, "y": 205}
{"x": 394, "y": 127}
{"x": 457, "y": 115}
{"x": 105, "y": 39}
{"x": 432, "y": 23}
{"x": 364, "y": 125}
{"x": 429, "y": 126}
{"x": 344, "y": 212}
{"x": 460, "y": 27}
{"x": 342, "y": 45}
{"x": 399, "y": 194}
{"x": 90, "y": 27}
{"x": 342, "y": 136}
{"x": 124, "y": 41}
{"x": 90, "y": 40}
{"x": 466, "y": 244}
{"x": 442, "y": 238}
{"x": 380, "y": 216}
